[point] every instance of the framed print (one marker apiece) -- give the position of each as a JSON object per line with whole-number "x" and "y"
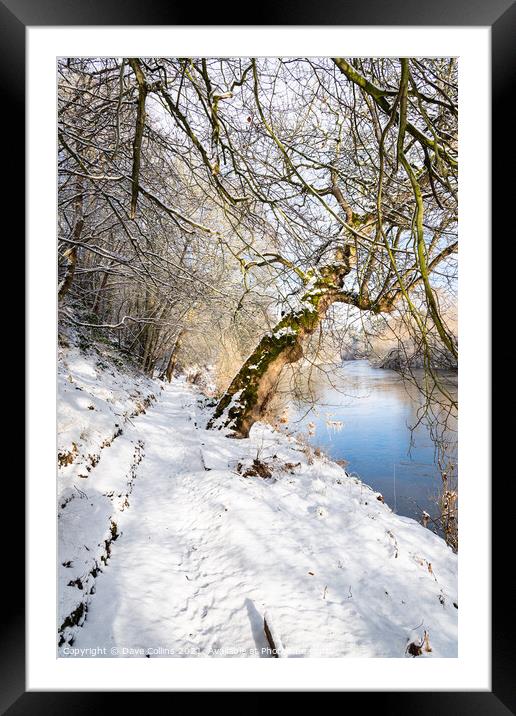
{"x": 252, "y": 254}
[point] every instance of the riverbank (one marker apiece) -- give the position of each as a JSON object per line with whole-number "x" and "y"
{"x": 177, "y": 541}
{"x": 363, "y": 416}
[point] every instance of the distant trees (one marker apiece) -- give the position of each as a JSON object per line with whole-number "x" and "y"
{"x": 258, "y": 197}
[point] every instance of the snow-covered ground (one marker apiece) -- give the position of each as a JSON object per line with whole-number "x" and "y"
{"x": 177, "y": 541}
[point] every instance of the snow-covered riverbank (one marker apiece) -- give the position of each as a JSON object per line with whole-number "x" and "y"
{"x": 177, "y": 541}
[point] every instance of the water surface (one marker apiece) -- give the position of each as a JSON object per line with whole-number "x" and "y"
{"x": 377, "y": 412}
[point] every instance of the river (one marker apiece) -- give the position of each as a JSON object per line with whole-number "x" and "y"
{"x": 377, "y": 412}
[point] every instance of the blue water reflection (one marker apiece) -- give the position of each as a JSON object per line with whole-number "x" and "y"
{"x": 376, "y": 412}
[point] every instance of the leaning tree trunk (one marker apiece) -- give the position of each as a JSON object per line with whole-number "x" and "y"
{"x": 246, "y": 399}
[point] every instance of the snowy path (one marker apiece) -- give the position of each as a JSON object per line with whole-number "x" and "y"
{"x": 203, "y": 552}
{"x": 164, "y": 578}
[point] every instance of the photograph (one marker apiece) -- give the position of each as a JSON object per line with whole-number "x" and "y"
{"x": 252, "y": 244}
{"x": 258, "y": 276}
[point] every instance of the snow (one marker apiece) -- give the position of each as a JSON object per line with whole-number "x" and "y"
{"x": 178, "y": 553}
{"x": 234, "y": 402}
{"x": 285, "y": 331}
{"x": 96, "y": 409}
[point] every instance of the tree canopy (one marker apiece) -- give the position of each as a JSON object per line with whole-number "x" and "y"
{"x": 240, "y": 203}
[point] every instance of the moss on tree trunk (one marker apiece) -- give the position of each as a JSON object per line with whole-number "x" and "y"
{"x": 250, "y": 391}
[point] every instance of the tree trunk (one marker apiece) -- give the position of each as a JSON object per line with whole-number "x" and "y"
{"x": 71, "y": 253}
{"x": 71, "y": 257}
{"x": 246, "y": 399}
{"x": 98, "y": 294}
{"x": 169, "y": 371}
{"x": 138, "y": 135}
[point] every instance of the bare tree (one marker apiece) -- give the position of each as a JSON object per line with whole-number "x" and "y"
{"x": 274, "y": 190}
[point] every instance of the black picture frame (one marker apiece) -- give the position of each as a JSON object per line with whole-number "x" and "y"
{"x": 500, "y": 15}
